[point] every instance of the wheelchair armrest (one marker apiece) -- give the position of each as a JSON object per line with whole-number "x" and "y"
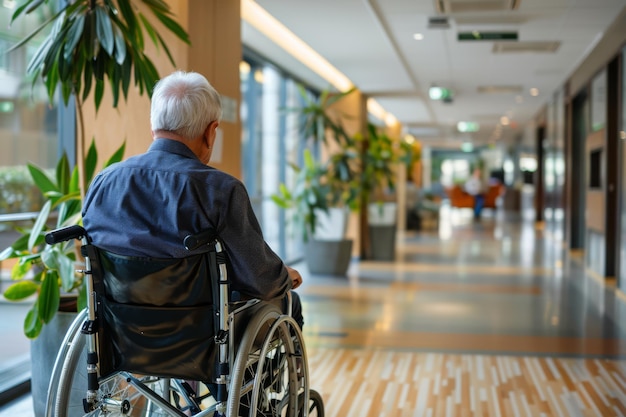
{"x": 193, "y": 242}
{"x": 64, "y": 234}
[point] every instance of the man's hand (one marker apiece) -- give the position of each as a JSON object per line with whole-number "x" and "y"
{"x": 296, "y": 278}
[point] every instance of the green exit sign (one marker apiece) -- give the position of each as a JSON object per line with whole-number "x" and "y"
{"x": 487, "y": 36}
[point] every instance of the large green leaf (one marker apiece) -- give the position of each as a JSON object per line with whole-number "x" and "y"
{"x": 21, "y": 268}
{"x": 73, "y": 37}
{"x": 26, "y": 6}
{"x": 120, "y": 46}
{"x": 149, "y": 28}
{"x": 32, "y": 323}
{"x": 38, "y": 58}
{"x": 49, "y": 297}
{"x": 172, "y": 26}
{"x": 74, "y": 185}
{"x": 99, "y": 92}
{"x": 91, "y": 160}
{"x": 63, "y": 174}
{"x": 104, "y": 30}
{"x": 117, "y": 155}
{"x": 20, "y": 290}
{"x": 67, "y": 272}
{"x": 39, "y": 225}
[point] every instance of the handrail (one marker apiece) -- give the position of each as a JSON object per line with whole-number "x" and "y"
{"x": 15, "y": 217}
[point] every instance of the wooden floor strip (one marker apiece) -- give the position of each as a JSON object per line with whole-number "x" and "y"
{"x": 371, "y": 382}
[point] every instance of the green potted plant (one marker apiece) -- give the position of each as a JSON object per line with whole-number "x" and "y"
{"x": 46, "y": 272}
{"x": 93, "y": 43}
{"x": 323, "y": 192}
{"x": 380, "y": 155}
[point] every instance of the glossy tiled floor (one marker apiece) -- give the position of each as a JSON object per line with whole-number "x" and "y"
{"x": 475, "y": 319}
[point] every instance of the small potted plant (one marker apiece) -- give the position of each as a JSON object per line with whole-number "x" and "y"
{"x": 323, "y": 192}
{"x": 380, "y": 155}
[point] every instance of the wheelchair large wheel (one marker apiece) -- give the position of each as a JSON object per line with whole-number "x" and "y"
{"x": 270, "y": 374}
{"x": 121, "y": 394}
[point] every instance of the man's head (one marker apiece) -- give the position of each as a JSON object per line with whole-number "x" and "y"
{"x": 185, "y": 105}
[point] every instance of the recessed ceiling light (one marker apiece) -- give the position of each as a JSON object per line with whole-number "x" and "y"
{"x": 244, "y": 68}
{"x": 8, "y": 107}
{"x": 504, "y": 121}
{"x": 467, "y": 147}
{"x": 418, "y": 36}
{"x": 465, "y": 127}
{"x": 534, "y": 92}
{"x": 439, "y": 93}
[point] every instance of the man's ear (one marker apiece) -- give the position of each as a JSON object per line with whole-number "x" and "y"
{"x": 210, "y": 132}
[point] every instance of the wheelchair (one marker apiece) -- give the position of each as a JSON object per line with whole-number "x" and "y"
{"x": 187, "y": 349}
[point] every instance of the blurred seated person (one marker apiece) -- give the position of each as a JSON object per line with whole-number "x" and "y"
{"x": 474, "y": 187}
{"x": 146, "y": 205}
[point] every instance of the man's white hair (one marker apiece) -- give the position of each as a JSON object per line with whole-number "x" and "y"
{"x": 184, "y": 103}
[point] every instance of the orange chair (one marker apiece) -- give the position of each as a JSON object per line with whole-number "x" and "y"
{"x": 459, "y": 198}
{"x": 492, "y": 194}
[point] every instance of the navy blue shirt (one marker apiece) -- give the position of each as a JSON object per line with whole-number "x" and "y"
{"x": 146, "y": 205}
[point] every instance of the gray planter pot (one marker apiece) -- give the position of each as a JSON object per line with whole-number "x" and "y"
{"x": 43, "y": 353}
{"x": 328, "y": 257}
{"x": 383, "y": 242}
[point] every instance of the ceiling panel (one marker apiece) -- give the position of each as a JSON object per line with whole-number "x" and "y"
{"x": 371, "y": 42}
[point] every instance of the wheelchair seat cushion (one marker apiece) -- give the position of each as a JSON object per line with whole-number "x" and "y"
{"x": 158, "y": 315}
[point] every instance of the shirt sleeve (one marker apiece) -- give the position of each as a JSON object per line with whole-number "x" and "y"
{"x": 258, "y": 271}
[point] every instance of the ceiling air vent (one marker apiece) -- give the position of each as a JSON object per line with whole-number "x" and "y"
{"x": 464, "y": 6}
{"x": 525, "y": 47}
{"x": 438, "y": 22}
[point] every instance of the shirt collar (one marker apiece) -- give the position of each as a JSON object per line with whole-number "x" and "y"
{"x": 172, "y": 146}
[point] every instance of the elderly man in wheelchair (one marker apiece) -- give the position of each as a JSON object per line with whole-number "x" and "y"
{"x": 189, "y": 310}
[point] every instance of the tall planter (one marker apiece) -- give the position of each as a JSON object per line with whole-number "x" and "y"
{"x": 382, "y": 231}
{"x": 329, "y": 252}
{"x": 328, "y": 257}
{"x": 43, "y": 353}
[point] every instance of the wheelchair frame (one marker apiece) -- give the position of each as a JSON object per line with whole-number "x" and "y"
{"x": 267, "y": 371}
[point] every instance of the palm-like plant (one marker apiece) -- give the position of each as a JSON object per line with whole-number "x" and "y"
{"x": 95, "y": 41}
{"x": 45, "y": 270}
{"x": 379, "y": 154}
{"x": 317, "y": 187}
{"x": 320, "y": 185}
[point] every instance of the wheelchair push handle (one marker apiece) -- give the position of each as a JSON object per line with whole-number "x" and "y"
{"x": 65, "y": 234}
{"x": 193, "y": 242}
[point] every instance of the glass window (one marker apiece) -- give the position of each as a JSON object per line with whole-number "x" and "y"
{"x": 598, "y": 101}
{"x": 28, "y": 121}
{"x": 271, "y": 141}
